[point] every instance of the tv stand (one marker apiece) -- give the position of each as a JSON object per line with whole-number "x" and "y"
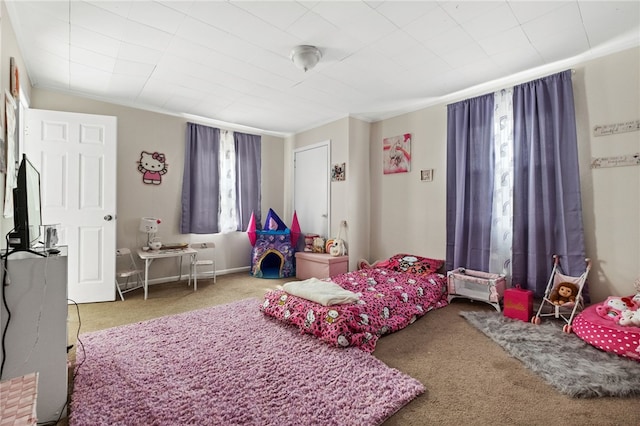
{"x": 36, "y": 337}
{"x": 37, "y": 253}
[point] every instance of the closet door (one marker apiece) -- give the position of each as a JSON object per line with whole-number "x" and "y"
{"x": 311, "y": 197}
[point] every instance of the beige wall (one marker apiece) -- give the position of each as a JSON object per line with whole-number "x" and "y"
{"x": 9, "y": 48}
{"x": 607, "y": 91}
{"x": 349, "y": 198}
{"x": 409, "y": 216}
{"x": 140, "y": 130}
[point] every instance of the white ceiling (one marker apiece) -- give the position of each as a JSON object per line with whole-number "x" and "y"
{"x": 229, "y": 60}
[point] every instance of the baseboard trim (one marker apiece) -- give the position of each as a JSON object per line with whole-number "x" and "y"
{"x": 201, "y": 276}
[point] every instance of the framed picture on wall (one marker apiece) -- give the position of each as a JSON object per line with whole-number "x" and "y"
{"x": 338, "y": 172}
{"x": 396, "y": 154}
{"x": 426, "y": 175}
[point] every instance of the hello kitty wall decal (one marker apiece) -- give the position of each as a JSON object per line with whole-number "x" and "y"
{"x": 152, "y": 165}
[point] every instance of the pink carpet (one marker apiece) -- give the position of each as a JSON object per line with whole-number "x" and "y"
{"x": 229, "y": 365}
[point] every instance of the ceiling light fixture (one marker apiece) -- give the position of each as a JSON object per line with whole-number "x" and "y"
{"x": 305, "y": 57}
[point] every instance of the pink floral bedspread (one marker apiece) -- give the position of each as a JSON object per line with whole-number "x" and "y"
{"x": 389, "y": 301}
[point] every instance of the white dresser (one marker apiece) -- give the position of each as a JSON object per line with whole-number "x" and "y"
{"x": 36, "y": 339}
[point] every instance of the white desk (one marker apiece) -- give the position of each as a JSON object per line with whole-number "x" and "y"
{"x": 150, "y": 255}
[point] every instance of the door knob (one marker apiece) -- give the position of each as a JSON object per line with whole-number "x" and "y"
{"x": 108, "y": 217}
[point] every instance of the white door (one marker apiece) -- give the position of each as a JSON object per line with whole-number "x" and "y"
{"x": 76, "y": 156}
{"x": 311, "y": 188}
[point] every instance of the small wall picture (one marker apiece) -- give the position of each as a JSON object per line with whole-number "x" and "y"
{"x": 426, "y": 175}
{"x": 396, "y": 154}
{"x": 338, "y": 172}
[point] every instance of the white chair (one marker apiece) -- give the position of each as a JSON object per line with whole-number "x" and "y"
{"x": 126, "y": 269}
{"x": 197, "y": 261}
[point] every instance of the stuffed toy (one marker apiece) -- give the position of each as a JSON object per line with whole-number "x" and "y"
{"x": 630, "y": 318}
{"x": 636, "y": 298}
{"x": 318, "y": 245}
{"x": 614, "y": 306}
{"x": 564, "y": 292}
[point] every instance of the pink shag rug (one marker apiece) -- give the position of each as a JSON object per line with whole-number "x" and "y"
{"x": 229, "y": 365}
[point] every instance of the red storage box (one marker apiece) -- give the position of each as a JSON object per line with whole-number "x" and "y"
{"x": 518, "y": 304}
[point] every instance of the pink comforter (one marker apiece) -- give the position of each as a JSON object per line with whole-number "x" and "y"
{"x": 389, "y": 301}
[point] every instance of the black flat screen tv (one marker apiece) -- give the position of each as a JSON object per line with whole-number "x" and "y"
{"x": 27, "y": 216}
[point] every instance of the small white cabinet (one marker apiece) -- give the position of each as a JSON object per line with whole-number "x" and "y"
{"x": 36, "y": 339}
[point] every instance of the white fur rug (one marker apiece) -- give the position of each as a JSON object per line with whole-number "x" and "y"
{"x": 563, "y": 360}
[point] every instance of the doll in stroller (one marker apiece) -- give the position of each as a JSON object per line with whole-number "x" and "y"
{"x": 562, "y": 296}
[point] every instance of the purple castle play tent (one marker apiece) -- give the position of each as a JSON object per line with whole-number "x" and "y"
{"x": 274, "y": 246}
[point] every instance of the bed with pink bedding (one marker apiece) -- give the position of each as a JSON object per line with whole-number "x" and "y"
{"x": 392, "y": 294}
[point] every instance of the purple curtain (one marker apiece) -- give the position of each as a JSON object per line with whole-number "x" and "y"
{"x": 248, "y": 180}
{"x": 200, "y": 181}
{"x": 547, "y": 201}
{"x": 469, "y": 182}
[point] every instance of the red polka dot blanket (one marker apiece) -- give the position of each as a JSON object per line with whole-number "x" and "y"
{"x": 606, "y": 334}
{"x": 388, "y": 301}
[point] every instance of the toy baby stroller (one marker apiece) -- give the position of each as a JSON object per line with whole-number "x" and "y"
{"x": 563, "y": 294}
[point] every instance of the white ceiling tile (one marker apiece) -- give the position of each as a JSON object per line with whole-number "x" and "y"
{"x": 337, "y": 45}
{"x": 183, "y": 6}
{"x": 235, "y": 20}
{"x": 403, "y": 12}
{"x": 143, "y": 35}
{"x": 472, "y": 74}
{"x": 465, "y": 11}
{"x": 52, "y": 43}
{"x": 565, "y": 44}
{"x": 526, "y": 11}
{"x": 184, "y": 99}
{"x": 453, "y": 39}
{"x": 90, "y": 40}
{"x": 133, "y": 68}
{"x": 311, "y": 28}
{"x": 42, "y": 28}
{"x": 369, "y": 26}
{"x": 499, "y": 19}
{"x": 566, "y": 18}
{"x": 120, "y": 8}
{"x": 430, "y": 25}
{"x": 341, "y": 13}
{"x": 429, "y": 68}
{"x": 156, "y": 15}
{"x": 281, "y": 14}
{"x": 96, "y": 19}
{"x": 89, "y": 79}
{"x": 126, "y": 86}
{"x": 465, "y": 56}
{"x": 156, "y": 91}
{"x": 202, "y": 33}
{"x": 92, "y": 59}
{"x": 56, "y": 70}
{"x": 505, "y": 41}
{"x": 211, "y": 104}
{"x": 133, "y": 52}
{"x": 56, "y": 9}
{"x": 518, "y": 59}
{"x": 398, "y": 44}
{"x": 597, "y": 18}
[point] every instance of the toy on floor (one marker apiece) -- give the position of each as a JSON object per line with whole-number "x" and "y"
{"x": 565, "y": 292}
{"x": 632, "y": 317}
{"x": 274, "y": 246}
{"x": 567, "y": 304}
{"x": 613, "y": 307}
